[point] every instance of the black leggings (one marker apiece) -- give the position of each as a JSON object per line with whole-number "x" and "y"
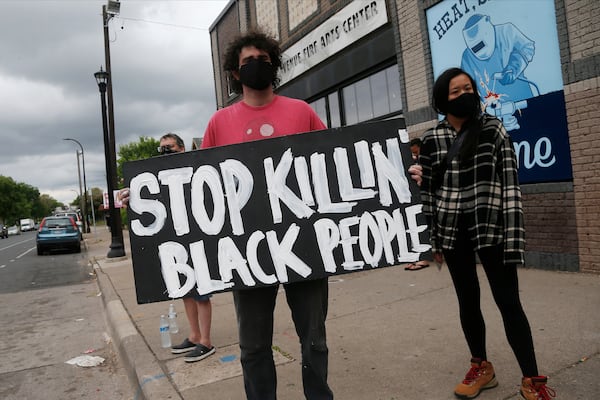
{"x": 505, "y": 289}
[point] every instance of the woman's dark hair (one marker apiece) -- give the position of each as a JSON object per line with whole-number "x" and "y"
{"x": 256, "y": 38}
{"x": 441, "y": 89}
{"x": 439, "y": 101}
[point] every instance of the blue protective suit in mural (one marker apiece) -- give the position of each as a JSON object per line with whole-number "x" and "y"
{"x": 497, "y": 56}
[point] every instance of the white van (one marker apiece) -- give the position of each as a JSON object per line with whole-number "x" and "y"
{"x": 27, "y": 224}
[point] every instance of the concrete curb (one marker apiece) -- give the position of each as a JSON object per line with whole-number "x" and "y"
{"x": 143, "y": 369}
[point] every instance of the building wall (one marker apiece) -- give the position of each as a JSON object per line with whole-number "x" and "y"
{"x": 415, "y": 61}
{"x": 231, "y": 22}
{"x": 551, "y": 226}
{"x": 300, "y": 11}
{"x": 581, "y": 70}
{"x": 562, "y": 219}
{"x": 267, "y": 16}
{"x": 300, "y": 17}
{"x": 583, "y": 115}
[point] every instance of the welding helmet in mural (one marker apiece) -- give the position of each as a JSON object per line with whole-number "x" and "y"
{"x": 480, "y": 36}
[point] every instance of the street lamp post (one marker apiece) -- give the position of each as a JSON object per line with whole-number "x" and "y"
{"x": 82, "y": 200}
{"x": 117, "y": 249}
{"x": 104, "y": 80}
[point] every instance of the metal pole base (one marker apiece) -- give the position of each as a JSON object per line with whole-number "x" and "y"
{"x": 116, "y": 249}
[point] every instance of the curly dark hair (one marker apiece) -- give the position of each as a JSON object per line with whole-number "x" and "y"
{"x": 257, "y": 38}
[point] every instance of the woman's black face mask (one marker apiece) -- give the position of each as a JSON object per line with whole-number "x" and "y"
{"x": 465, "y": 105}
{"x": 256, "y": 74}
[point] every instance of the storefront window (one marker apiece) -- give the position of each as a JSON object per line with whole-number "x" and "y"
{"x": 334, "y": 110}
{"x": 393, "y": 85}
{"x": 379, "y": 93}
{"x": 350, "y": 104}
{"x": 230, "y": 91}
{"x": 364, "y": 100}
{"x": 320, "y": 108}
{"x": 375, "y": 96}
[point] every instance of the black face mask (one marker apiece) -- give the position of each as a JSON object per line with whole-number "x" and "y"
{"x": 166, "y": 150}
{"x": 465, "y": 105}
{"x": 256, "y": 74}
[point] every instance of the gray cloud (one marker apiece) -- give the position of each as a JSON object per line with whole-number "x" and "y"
{"x": 162, "y": 81}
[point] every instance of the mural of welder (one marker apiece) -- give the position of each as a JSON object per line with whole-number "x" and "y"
{"x": 497, "y": 56}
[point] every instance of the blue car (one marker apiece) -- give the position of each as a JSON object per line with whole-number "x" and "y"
{"x": 58, "y": 233}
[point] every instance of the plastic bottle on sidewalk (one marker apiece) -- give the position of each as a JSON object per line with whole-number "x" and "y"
{"x": 173, "y": 327}
{"x": 165, "y": 336}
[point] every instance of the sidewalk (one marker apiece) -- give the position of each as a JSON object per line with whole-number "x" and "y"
{"x": 392, "y": 335}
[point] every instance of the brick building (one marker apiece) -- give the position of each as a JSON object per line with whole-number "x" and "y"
{"x": 365, "y": 60}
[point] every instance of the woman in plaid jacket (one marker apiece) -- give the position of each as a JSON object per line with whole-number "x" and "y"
{"x": 471, "y": 195}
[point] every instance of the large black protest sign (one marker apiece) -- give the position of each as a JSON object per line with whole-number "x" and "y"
{"x": 274, "y": 211}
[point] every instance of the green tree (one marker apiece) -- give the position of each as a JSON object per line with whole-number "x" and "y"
{"x": 20, "y": 200}
{"x": 75, "y": 203}
{"x": 14, "y": 200}
{"x": 145, "y": 148}
{"x": 45, "y": 206}
{"x": 32, "y": 197}
{"x": 98, "y": 200}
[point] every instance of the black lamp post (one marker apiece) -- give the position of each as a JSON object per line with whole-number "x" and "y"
{"x": 82, "y": 196}
{"x": 117, "y": 249}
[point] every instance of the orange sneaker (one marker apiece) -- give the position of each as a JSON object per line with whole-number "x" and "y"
{"x": 535, "y": 388}
{"x": 481, "y": 376}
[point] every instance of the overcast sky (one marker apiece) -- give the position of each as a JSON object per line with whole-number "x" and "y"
{"x": 49, "y": 50}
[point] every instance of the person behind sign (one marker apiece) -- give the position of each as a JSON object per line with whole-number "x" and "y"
{"x": 198, "y": 308}
{"x": 471, "y": 195}
{"x": 252, "y": 61}
{"x": 415, "y": 148}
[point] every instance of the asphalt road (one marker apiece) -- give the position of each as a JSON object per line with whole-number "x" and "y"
{"x": 51, "y": 313}
{"x": 22, "y": 269}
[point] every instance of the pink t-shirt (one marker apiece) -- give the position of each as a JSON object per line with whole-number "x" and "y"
{"x": 243, "y": 123}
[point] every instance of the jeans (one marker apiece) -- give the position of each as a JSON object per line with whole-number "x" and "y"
{"x": 254, "y": 308}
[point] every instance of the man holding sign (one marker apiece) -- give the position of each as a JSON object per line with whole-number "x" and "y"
{"x": 252, "y": 61}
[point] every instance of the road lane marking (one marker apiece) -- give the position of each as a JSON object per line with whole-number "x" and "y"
{"x": 22, "y": 254}
{"x": 14, "y": 244}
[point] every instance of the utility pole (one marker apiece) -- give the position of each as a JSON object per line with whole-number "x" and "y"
{"x": 117, "y": 248}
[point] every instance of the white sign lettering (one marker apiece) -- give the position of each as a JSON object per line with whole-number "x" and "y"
{"x": 277, "y": 215}
{"x": 353, "y": 22}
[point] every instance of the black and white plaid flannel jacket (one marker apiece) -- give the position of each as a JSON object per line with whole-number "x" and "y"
{"x": 485, "y": 189}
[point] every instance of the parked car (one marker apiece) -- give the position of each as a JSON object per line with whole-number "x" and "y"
{"x": 57, "y": 233}
{"x": 14, "y": 230}
{"x": 76, "y": 217}
{"x": 3, "y": 231}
